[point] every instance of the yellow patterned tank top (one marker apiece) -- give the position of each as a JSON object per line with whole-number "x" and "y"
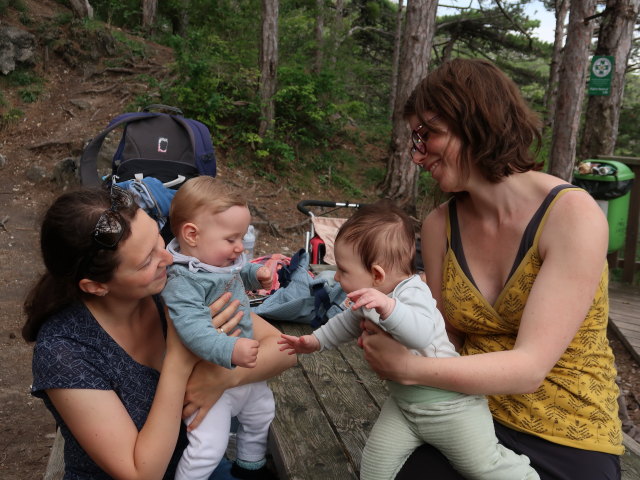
{"x": 576, "y": 405}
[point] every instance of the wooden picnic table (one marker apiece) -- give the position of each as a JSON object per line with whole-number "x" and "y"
{"x": 325, "y": 407}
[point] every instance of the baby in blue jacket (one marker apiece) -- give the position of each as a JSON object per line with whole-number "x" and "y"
{"x": 209, "y": 223}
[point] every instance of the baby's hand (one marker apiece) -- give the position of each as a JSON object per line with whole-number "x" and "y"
{"x": 245, "y": 353}
{"x": 372, "y": 298}
{"x": 303, "y": 344}
{"x": 264, "y": 277}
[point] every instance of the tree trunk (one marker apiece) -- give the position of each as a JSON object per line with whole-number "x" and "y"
{"x": 562, "y": 8}
{"x": 401, "y": 180}
{"x": 338, "y": 30}
{"x": 571, "y": 86}
{"x": 268, "y": 65}
{"x": 149, "y": 10}
{"x": 603, "y": 111}
{"x": 396, "y": 58}
{"x": 81, "y": 8}
{"x": 317, "y": 61}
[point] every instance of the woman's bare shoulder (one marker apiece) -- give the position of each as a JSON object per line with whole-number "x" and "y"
{"x": 435, "y": 219}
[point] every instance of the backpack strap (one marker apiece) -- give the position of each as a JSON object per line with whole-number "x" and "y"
{"x": 88, "y": 160}
{"x": 201, "y": 139}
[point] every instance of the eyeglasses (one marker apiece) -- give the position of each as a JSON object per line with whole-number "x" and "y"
{"x": 109, "y": 230}
{"x": 418, "y": 139}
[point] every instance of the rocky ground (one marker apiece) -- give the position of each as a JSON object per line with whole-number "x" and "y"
{"x": 79, "y": 96}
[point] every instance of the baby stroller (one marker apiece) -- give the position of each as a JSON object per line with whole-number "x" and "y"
{"x": 319, "y": 239}
{"x": 307, "y": 290}
{"x": 321, "y": 236}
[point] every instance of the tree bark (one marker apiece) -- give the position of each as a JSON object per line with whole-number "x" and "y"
{"x": 81, "y": 8}
{"x": 268, "y": 65}
{"x": 149, "y": 10}
{"x": 319, "y": 31}
{"x": 603, "y": 111}
{"x": 396, "y": 58}
{"x": 401, "y": 180}
{"x": 338, "y": 29}
{"x": 562, "y": 8}
{"x": 571, "y": 87}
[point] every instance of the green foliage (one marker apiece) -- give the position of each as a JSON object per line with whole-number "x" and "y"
{"x": 326, "y": 118}
{"x": 128, "y": 46}
{"x": 64, "y": 18}
{"x": 31, "y": 94}
{"x": 15, "y": 4}
{"x": 10, "y": 117}
{"x": 22, "y": 77}
{"x": 300, "y": 115}
{"x": 212, "y": 86}
{"x": 25, "y": 19}
{"x": 628, "y": 142}
{"x": 123, "y": 13}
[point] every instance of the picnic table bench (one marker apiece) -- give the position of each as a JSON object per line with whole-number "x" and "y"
{"x": 325, "y": 408}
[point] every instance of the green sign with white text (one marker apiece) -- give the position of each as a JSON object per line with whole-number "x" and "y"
{"x": 601, "y": 73}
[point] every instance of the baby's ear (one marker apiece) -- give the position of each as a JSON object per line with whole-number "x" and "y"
{"x": 378, "y": 274}
{"x": 189, "y": 234}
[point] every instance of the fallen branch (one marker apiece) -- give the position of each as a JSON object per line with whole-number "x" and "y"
{"x": 296, "y": 226}
{"x": 67, "y": 111}
{"x": 50, "y": 143}
{"x": 120, "y": 70}
{"x": 100, "y": 90}
{"x": 274, "y": 194}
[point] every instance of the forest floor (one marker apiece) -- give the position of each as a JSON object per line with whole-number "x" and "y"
{"x": 77, "y": 100}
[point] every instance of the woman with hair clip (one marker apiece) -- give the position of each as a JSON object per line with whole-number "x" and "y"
{"x": 107, "y": 363}
{"x": 516, "y": 260}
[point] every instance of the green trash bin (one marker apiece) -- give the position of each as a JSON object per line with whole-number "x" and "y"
{"x": 609, "y": 182}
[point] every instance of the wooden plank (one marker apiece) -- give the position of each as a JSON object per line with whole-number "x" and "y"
{"x": 633, "y": 351}
{"x": 629, "y": 329}
{"x": 631, "y": 240}
{"x": 630, "y": 461}
{"x": 376, "y": 387}
{"x": 624, "y": 315}
{"x": 302, "y": 442}
{"x": 350, "y": 408}
{"x": 55, "y": 465}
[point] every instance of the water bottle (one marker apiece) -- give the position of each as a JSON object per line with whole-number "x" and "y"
{"x": 249, "y": 242}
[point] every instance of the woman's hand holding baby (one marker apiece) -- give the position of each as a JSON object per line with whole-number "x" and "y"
{"x": 303, "y": 344}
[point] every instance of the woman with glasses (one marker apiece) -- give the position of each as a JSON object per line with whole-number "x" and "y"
{"x": 516, "y": 260}
{"x": 107, "y": 364}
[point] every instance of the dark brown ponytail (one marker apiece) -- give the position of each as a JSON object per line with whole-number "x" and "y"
{"x": 67, "y": 248}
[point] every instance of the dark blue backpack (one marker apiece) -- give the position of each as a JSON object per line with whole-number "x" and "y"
{"x": 166, "y": 146}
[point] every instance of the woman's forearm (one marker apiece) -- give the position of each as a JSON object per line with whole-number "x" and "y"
{"x": 508, "y": 372}
{"x": 103, "y": 427}
{"x": 157, "y": 438}
{"x": 271, "y": 361}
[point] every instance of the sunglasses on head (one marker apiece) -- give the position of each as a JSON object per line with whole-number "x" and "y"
{"x": 109, "y": 230}
{"x": 419, "y": 137}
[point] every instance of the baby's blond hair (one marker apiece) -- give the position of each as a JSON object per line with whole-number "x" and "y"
{"x": 198, "y": 194}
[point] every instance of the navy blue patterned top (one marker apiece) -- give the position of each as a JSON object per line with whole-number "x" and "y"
{"x": 73, "y": 351}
